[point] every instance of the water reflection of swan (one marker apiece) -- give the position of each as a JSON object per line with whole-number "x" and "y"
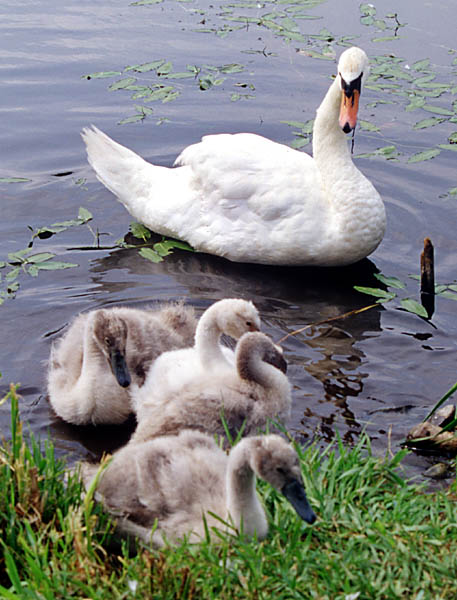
{"x": 185, "y": 484}
{"x": 252, "y": 200}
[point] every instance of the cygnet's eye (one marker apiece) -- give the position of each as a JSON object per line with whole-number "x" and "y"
{"x": 108, "y": 341}
{"x": 248, "y": 323}
{"x": 280, "y": 470}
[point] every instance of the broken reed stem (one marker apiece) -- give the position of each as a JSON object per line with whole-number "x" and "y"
{"x": 329, "y": 320}
{"x": 427, "y": 268}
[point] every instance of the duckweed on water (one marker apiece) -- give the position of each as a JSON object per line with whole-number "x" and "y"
{"x": 377, "y": 536}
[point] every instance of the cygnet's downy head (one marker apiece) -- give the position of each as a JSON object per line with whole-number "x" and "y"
{"x": 236, "y": 316}
{"x": 274, "y": 460}
{"x": 353, "y": 68}
{"x": 110, "y": 333}
{"x": 254, "y": 347}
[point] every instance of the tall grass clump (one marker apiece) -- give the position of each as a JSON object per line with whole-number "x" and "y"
{"x": 377, "y": 537}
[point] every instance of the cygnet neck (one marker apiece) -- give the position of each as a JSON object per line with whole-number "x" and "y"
{"x": 243, "y": 504}
{"x": 207, "y": 337}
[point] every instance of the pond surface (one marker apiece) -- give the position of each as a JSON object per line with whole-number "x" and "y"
{"x": 260, "y": 65}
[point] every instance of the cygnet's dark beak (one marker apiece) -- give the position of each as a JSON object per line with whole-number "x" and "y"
{"x": 119, "y": 368}
{"x": 295, "y": 493}
{"x": 276, "y": 359}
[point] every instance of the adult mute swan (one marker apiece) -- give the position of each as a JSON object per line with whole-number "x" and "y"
{"x": 92, "y": 365}
{"x": 172, "y": 369}
{"x": 252, "y": 200}
{"x": 246, "y": 396}
{"x": 163, "y": 489}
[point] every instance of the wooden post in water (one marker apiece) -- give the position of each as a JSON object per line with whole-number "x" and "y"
{"x": 428, "y": 277}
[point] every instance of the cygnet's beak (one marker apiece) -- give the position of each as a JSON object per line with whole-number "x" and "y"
{"x": 295, "y": 493}
{"x": 277, "y": 359}
{"x": 350, "y": 95}
{"x": 119, "y": 368}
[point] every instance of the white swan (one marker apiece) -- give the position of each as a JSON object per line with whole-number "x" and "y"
{"x": 171, "y": 370}
{"x": 177, "y": 481}
{"x": 246, "y": 396}
{"x": 249, "y": 199}
{"x": 92, "y": 364}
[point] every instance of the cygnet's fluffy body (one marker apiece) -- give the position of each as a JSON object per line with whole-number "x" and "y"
{"x": 174, "y": 369}
{"x": 92, "y": 364}
{"x": 246, "y": 396}
{"x": 174, "y": 482}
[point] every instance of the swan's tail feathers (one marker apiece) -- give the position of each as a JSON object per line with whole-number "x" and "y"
{"x": 114, "y": 165}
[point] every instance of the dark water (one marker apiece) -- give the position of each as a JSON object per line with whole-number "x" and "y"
{"x": 380, "y": 370}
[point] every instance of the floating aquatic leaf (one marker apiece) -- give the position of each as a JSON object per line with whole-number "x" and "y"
{"x": 440, "y": 288}
{"x": 377, "y": 292}
{"x": 420, "y": 81}
{"x": 14, "y": 179}
{"x": 453, "y": 287}
{"x": 297, "y": 124}
{"x": 367, "y": 9}
{"x": 425, "y": 155}
{"x": 11, "y": 275}
{"x": 387, "y": 38}
{"x": 132, "y": 119}
{"x": 453, "y": 191}
{"x": 438, "y": 110}
{"x": 415, "y": 102}
{"x": 145, "y": 2}
{"x": 145, "y": 67}
{"x": 430, "y": 122}
{"x": 40, "y": 257}
{"x": 101, "y": 75}
{"x": 367, "y": 126}
{"x": 421, "y": 65}
{"x": 300, "y": 142}
{"x": 151, "y": 255}
{"x": 2, "y": 264}
{"x": 165, "y": 68}
{"x": 139, "y": 231}
{"x": 122, "y": 83}
{"x": 452, "y": 147}
{"x": 414, "y": 307}
{"x": 449, "y": 295}
{"x": 390, "y": 281}
{"x": 84, "y": 215}
{"x": 52, "y": 265}
{"x": 453, "y": 138}
{"x": 380, "y": 24}
{"x": 181, "y": 75}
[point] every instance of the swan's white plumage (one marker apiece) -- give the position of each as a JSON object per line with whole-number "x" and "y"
{"x": 175, "y": 482}
{"x": 249, "y": 199}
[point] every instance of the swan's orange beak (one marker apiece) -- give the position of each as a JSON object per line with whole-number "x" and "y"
{"x": 348, "y": 110}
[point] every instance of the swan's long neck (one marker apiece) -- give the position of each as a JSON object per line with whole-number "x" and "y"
{"x": 330, "y": 147}
{"x": 357, "y": 216}
{"x": 207, "y": 337}
{"x": 243, "y": 505}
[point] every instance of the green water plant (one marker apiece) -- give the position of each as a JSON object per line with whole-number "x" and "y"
{"x": 407, "y": 303}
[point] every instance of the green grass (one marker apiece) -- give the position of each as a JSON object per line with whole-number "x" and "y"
{"x": 376, "y": 537}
